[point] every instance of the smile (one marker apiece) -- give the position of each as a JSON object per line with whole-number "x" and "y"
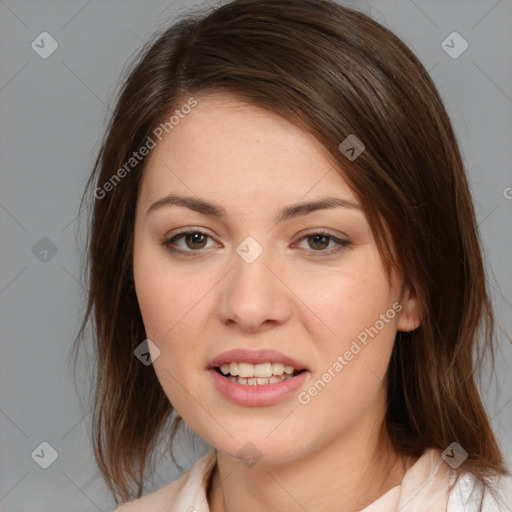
{"x": 256, "y": 374}
{"x": 257, "y": 391}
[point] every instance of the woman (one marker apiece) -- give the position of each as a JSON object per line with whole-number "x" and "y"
{"x": 283, "y": 227}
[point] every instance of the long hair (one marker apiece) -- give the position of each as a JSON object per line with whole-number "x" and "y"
{"x": 334, "y": 72}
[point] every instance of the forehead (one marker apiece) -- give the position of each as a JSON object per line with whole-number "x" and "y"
{"x": 230, "y": 147}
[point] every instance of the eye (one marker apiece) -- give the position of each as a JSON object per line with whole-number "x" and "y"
{"x": 193, "y": 241}
{"x": 323, "y": 243}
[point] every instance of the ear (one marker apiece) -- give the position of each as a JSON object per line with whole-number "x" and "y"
{"x": 409, "y": 315}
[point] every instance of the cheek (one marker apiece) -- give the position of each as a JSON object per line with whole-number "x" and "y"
{"x": 164, "y": 297}
{"x": 173, "y": 309}
{"x": 353, "y": 324}
{"x": 157, "y": 301}
{"x": 354, "y": 350}
{"x": 346, "y": 302}
{"x": 168, "y": 302}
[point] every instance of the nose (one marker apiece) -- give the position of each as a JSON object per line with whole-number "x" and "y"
{"x": 254, "y": 294}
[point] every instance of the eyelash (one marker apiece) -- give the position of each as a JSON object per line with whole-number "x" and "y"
{"x": 167, "y": 243}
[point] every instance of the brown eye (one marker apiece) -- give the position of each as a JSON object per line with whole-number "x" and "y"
{"x": 187, "y": 242}
{"x": 319, "y": 242}
{"x": 195, "y": 240}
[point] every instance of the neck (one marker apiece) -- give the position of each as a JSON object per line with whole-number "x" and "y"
{"x": 344, "y": 475}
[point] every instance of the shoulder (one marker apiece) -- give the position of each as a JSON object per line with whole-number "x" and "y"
{"x": 164, "y": 497}
{"x": 467, "y": 493}
{"x": 431, "y": 484}
{"x": 189, "y": 487}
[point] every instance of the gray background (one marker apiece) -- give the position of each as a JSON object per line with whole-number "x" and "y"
{"x": 53, "y": 115}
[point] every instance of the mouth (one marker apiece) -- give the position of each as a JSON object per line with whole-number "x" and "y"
{"x": 259, "y": 374}
{"x": 257, "y": 385}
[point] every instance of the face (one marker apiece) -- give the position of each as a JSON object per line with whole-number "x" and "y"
{"x": 309, "y": 285}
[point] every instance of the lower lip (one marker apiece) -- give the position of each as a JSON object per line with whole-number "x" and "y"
{"x": 257, "y": 395}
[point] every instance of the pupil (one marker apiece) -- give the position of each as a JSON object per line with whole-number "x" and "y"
{"x": 317, "y": 240}
{"x": 196, "y": 238}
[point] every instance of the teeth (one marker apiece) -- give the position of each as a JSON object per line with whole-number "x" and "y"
{"x": 260, "y": 370}
{"x": 277, "y": 369}
{"x": 255, "y": 381}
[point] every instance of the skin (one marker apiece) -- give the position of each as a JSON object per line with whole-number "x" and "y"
{"x": 326, "y": 455}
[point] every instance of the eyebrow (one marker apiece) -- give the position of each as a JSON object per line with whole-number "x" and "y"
{"x": 206, "y": 208}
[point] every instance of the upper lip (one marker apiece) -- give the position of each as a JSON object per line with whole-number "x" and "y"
{"x": 254, "y": 357}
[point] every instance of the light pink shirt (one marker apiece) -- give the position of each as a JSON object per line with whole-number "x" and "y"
{"x": 424, "y": 488}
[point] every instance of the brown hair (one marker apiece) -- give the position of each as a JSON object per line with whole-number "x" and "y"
{"x": 334, "y": 72}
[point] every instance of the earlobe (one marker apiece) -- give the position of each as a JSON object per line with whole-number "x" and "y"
{"x": 410, "y": 315}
